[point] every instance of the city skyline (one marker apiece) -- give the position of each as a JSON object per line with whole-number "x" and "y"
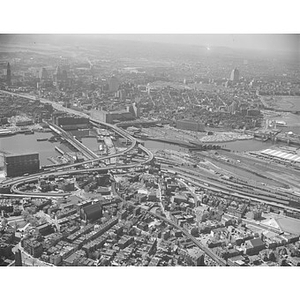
{"x": 145, "y": 135}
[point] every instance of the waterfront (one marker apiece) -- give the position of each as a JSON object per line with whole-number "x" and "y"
{"x": 285, "y": 103}
{"x": 21, "y": 144}
{"x": 239, "y": 146}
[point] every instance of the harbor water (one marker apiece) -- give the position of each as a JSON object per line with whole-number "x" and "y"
{"x": 22, "y": 144}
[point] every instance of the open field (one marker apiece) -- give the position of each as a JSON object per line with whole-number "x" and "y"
{"x": 287, "y": 103}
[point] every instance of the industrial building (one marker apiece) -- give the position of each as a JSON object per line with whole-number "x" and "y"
{"x": 20, "y": 164}
{"x": 112, "y": 116}
{"x": 281, "y": 155}
{"x": 189, "y": 125}
{"x": 69, "y": 123}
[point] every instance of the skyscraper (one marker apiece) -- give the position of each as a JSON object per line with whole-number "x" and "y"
{"x": 57, "y": 74}
{"x": 44, "y": 74}
{"x": 113, "y": 84}
{"x": 235, "y": 75}
{"x": 8, "y": 74}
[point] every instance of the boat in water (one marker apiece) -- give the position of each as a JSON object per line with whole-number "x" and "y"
{"x": 42, "y": 139}
{"x": 52, "y": 139}
{"x": 29, "y": 132}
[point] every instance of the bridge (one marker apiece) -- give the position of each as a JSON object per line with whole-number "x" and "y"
{"x": 35, "y": 177}
{"x": 73, "y": 141}
{"x": 121, "y": 132}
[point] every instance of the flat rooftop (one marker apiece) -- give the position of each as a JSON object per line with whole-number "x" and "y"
{"x": 281, "y": 154}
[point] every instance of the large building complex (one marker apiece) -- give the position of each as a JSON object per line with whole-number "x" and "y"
{"x": 20, "y": 164}
{"x": 112, "y": 116}
{"x": 189, "y": 125}
{"x": 69, "y": 123}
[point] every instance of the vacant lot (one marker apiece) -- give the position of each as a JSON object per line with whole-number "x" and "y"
{"x": 287, "y": 103}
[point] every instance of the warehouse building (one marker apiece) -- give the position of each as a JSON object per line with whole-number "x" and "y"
{"x": 189, "y": 125}
{"x": 20, "y": 164}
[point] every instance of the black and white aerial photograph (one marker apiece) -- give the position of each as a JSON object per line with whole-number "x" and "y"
{"x": 148, "y": 149}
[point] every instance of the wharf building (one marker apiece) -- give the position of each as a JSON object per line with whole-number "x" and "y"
{"x": 20, "y": 164}
{"x": 113, "y": 116}
{"x": 71, "y": 123}
{"x": 189, "y": 125}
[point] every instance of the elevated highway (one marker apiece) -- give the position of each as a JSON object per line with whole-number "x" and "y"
{"x": 73, "y": 141}
{"x": 121, "y": 132}
{"x": 36, "y": 177}
{"x": 62, "y": 170}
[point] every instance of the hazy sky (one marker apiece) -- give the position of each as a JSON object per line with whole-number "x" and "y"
{"x": 266, "y": 42}
{"x": 262, "y": 42}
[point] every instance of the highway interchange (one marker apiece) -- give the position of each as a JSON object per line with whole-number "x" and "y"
{"x": 58, "y": 172}
{"x": 69, "y": 169}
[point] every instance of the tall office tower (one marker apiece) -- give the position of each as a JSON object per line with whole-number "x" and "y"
{"x": 235, "y": 75}
{"x": 113, "y": 84}
{"x": 134, "y": 109}
{"x": 57, "y": 74}
{"x": 8, "y": 74}
{"x": 44, "y": 74}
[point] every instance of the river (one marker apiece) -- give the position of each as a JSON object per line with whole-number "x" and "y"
{"x": 21, "y": 144}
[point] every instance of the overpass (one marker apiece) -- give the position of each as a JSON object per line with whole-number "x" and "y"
{"x": 35, "y": 177}
{"x": 123, "y": 133}
{"x": 73, "y": 141}
{"x": 57, "y": 171}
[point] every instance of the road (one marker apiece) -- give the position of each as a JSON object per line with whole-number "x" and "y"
{"x": 14, "y": 181}
{"x": 217, "y": 187}
{"x": 28, "y": 260}
{"x": 54, "y": 171}
{"x": 35, "y": 177}
{"x": 205, "y": 249}
{"x": 73, "y": 141}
